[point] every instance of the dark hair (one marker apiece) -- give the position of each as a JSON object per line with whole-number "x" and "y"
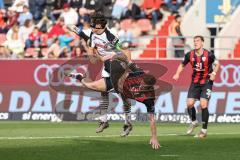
{"x": 55, "y": 39}
{"x": 98, "y": 18}
{"x": 199, "y": 36}
{"x": 149, "y": 79}
{"x": 177, "y": 16}
{"x": 27, "y": 22}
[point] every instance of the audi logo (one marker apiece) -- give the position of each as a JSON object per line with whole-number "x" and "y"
{"x": 45, "y": 75}
{"x": 229, "y": 76}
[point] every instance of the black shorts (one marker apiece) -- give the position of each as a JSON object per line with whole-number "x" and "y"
{"x": 198, "y": 91}
{"x": 149, "y": 103}
{"x": 116, "y": 69}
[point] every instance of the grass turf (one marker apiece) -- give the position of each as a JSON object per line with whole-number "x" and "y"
{"x": 71, "y": 140}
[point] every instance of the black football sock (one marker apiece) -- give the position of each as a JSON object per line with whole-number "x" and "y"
{"x": 205, "y": 116}
{"x": 192, "y": 113}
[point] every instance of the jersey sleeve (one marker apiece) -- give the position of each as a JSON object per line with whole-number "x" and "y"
{"x": 114, "y": 41}
{"x": 83, "y": 36}
{"x": 91, "y": 43}
{"x": 186, "y": 59}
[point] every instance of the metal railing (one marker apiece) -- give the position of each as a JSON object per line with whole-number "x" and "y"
{"x": 153, "y": 43}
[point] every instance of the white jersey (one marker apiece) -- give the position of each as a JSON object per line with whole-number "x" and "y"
{"x": 87, "y": 32}
{"x": 104, "y": 43}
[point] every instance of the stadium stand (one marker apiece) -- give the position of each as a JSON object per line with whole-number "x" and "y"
{"x": 156, "y": 47}
{"x": 150, "y": 42}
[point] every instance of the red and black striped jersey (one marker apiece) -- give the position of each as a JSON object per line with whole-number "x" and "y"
{"x": 202, "y": 65}
{"x": 134, "y": 88}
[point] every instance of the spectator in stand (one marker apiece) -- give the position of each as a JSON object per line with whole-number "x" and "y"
{"x": 66, "y": 39}
{"x": 37, "y": 8}
{"x": 12, "y": 17}
{"x": 56, "y": 30}
{"x": 15, "y": 28}
{"x": 44, "y": 39}
{"x": 57, "y": 9}
{"x": 2, "y": 6}
{"x": 75, "y": 4}
{"x": 101, "y": 5}
{"x": 4, "y": 52}
{"x": 173, "y": 7}
{"x": 19, "y": 4}
{"x": 3, "y": 23}
{"x": 88, "y": 7}
{"x": 34, "y": 39}
{"x": 69, "y": 14}
{"x": 24, "y": 15}
{"x": 65, "y": 53}
{"x": 54, "y": 50}
{"x": 77, "y": 52}
{"x": 124, "y": 35}
{"x": 86, "y": 29}
{"x": 86, "y": 26}
{"x": 178, "y": 41}
{"x": 134, "y": 11}
{"x": 44, "y": 24}
{"x": 25, "y": 30}
{"x": 83, "y": 16}
{"x": 189, "y": 3}
{"x": 151, "y": 10}
{"x": 120, "y": 8}
{"x": 15, "y": 45}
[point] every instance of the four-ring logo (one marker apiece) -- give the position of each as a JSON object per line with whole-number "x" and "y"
{"x": 45, "y": 75}
{"x": 229, "y": 76}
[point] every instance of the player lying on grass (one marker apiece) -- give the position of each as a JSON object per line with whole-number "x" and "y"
{"x": 132, "y": 85}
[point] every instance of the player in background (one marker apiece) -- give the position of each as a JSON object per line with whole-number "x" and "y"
{"x": 203, "y": 75}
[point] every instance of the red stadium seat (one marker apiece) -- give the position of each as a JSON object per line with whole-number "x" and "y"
{"x": 237, "y": 50}
{"x": 150, "y": 51}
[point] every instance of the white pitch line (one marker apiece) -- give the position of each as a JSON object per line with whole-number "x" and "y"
{"x": 100, "y": 136}
{"x": 169, "y": 155}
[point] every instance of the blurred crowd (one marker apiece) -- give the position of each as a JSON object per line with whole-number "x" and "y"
{"x": 37, "y": 28}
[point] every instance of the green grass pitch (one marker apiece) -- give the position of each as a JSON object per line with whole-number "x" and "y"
{"x": 78, "y": 141}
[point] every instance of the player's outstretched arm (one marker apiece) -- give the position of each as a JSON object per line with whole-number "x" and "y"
{"x": 153, "y": 141}
{"x": 78, "y": 32}
{"x": 179, "y": 70}
{"x": 73, "y": 28}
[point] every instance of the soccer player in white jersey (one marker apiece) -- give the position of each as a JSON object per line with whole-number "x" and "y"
{"x": 104, "y": 45}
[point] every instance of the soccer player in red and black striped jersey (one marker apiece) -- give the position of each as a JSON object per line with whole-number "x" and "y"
{"x": 137, "y": 85}
{"x": 202, "y": 62}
